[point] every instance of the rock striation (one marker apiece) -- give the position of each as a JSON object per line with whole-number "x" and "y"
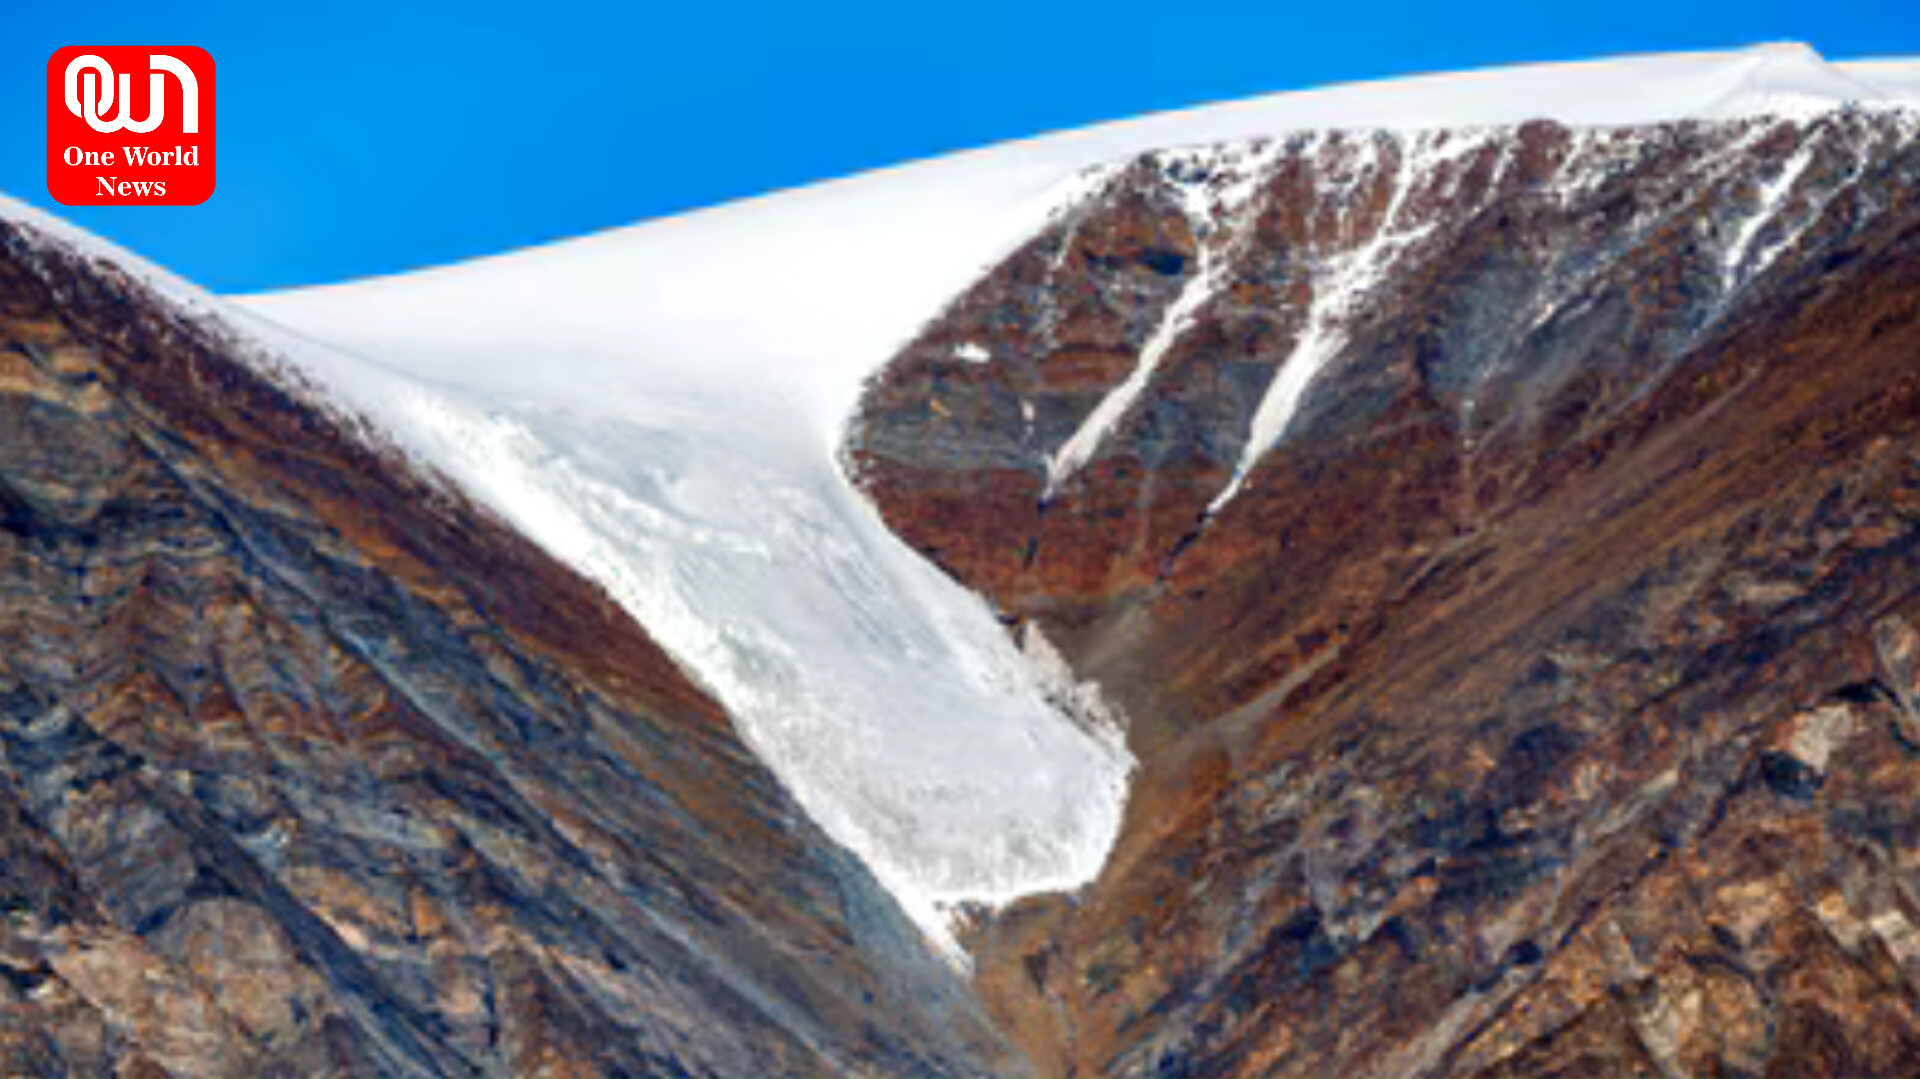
{"x": 308, "y": 766}
{"x": 1504, "y": 543}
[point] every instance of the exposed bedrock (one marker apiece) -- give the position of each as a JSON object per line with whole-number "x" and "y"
{"x": 1506, "y": 546}
{"x": 307, "y": 766}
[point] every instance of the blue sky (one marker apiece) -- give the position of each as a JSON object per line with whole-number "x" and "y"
{"x": 357, "y": 139}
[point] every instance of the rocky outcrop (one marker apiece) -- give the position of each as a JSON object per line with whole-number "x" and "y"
{"x": 307, "y": 766}
{"x": 1526, "y": 694}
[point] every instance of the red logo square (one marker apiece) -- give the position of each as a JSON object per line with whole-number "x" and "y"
{"x": 130, "y": 125}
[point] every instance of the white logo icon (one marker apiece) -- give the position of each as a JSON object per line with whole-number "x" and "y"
{"x": 90, "y": 93}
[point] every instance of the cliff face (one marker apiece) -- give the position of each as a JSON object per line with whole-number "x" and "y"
{"x": 309, "y": 767}
{"x": 1504, "y": 544}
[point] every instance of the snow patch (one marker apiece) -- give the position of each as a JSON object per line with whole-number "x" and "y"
{"x": 1079, "y": 447}
{"x": 1215, "y": 186}
{"x": 1345, "y": 280}
{"x": 1767, "y": 205}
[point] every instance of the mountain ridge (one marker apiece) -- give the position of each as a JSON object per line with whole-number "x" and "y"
{"x": 1442, "y": 581}
{"x": 778, "y": 309}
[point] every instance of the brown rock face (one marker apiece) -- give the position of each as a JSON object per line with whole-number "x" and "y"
{"x": 309, "y": 767}
{"x": 1541, "y": 701}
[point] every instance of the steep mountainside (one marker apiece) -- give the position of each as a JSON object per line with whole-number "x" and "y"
{"x": 1490, "y": 502}
{"x": 307, "y": 766}
{"x": 662, "y": 406}
{"x": 1504, "y": 544}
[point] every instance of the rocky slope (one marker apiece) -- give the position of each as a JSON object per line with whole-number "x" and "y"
{"x": 1504, "y": 545}
{"x": 1499, "y": 535}
{"x": 307, "y": 766}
